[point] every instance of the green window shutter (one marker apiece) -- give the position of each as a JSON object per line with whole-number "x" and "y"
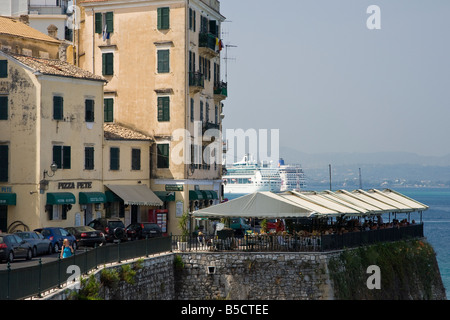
{"x": 163, "y": 61}
{"x": 4, "y": 108}
{"x": 89, "y": 110}
{"x": 163, "y": 109}
{"x": 135, "y": 159}
{"x": 109, "y": 17}
{"x": 192, "y": 110}
{"x": 98, "y": 22}
{"x": 163, "y": 156}
{"x": 57, "y": 156}
{"x": 114, "y": 163}
{"x": 66, "y": 157}
{"x": 3, "y": 68}
{"x": 108, "y": 64}
{"x": 109, "y": 110}
{"x": 89, "y": 158}
{"x": 163, "y": 18}
{"x": 58, "y": 103}
{"x": 4, "y": 167}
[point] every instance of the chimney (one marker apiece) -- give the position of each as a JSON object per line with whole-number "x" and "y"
{"x": 52, "y": 31}
{"x": 24, "y": 19}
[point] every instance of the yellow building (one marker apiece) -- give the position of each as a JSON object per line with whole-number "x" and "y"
{"x": 17, "y": 37}
{"x": 51, "y": 138}
{"x": 162, "y": 63}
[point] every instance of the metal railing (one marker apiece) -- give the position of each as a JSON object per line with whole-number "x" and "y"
{"x": 20, "y": 283}
{"x": 295, "y": 243}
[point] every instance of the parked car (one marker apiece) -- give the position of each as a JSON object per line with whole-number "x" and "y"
{"x": 87, "y": 236}
{"x": 113, "y": 229}
{"x": 142, "y": 230}
{"x": 38, "y": 243}
{"x": 56, "y": 235}
{"x": 12, "y": 247}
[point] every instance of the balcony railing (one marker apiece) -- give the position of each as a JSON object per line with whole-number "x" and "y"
{"x": 221, "y": 90}
{"x": 207, "y": 44}
{"x": 196, "y": 82}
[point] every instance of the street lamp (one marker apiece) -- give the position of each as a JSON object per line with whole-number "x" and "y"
{"x": 53, "y": 168}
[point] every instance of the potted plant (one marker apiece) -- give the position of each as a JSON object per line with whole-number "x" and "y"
{"x": 183, "y": 225}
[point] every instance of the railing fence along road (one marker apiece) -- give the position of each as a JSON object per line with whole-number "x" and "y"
{"x": 20, "y": 283}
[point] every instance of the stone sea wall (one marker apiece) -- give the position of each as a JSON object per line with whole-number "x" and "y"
{"x": 408, "y": 271}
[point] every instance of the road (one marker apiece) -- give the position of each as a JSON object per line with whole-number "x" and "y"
{"x": 21, "y": 263}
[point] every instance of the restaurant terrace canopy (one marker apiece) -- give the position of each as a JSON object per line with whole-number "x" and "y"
{"x": 312, "y": 204}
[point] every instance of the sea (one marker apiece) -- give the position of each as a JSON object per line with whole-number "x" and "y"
{"x": 436, "y": 222}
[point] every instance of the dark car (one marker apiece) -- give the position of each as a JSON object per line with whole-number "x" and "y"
{"x": 113, "y": 229}
{"x": 87, "y": 236}
{"x": 143, "y": 230}
{"x": 38, "y": 243}
{"x": 56, "y": 235}
{"x": 12, "y": 247}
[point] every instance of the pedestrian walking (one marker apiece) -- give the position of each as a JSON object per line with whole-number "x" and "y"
{"x": 66, "y": 250}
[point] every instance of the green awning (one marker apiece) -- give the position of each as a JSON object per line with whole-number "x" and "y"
{"x": 111, "y": 196}
{"x": 60, "y": 198}
{"x": 214, "y": 194}
{"x": 195, "y": 195}
{"x": 91, "y": 197}
{"x": 8, "y": 199}
{"x": 207, "y": 195}
{"x": 165, "y": 195}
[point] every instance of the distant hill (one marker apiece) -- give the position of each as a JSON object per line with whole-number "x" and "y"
{"x": 381, "y": 169}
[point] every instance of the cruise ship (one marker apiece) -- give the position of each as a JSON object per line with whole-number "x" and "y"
{"x": 292, "y": 176}
{"x": 248, "y": 176}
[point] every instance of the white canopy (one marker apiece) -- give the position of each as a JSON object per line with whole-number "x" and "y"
{"x": 313, "y": 204}
{"x": 259, "y": 204}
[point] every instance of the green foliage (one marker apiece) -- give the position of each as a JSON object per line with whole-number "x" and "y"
{"x": 263, "y": 225}
{"x": 109, "y": 278}
{"x": 178, "y": 262}
{"x": 89, "y": 290}
{"x": 127, "y": 274}
{"x": 407, "y": 268}
{"x": 183, "y": 225}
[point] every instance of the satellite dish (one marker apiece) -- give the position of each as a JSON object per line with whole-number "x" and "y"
{"x": 220, "y": 226}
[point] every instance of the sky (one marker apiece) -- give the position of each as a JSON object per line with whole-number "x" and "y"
{"x": 315, "y": 71}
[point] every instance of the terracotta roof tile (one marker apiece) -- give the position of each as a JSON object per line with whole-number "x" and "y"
{"x": 55, "y": 67}
{"x": 14, "y": 27}
{"x": 114, "y": 131}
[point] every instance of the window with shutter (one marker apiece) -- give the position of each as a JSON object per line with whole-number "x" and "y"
{"x": 98, "y": 22}
{"x": 58, "y": 108}
{"x": 66, "y": 157}
{"x": 89, "y": 158}
{"x": 163, "y": 109}
{"x": 62, "y": 156}
{"x": 163, "y": 61}
{"x": 108, "y": 64}
{"x": 135, "y": 159}
{"x": 114, "y": 158}
{"x": 3, "y": 68}
{"x": 109, "y": 21}
{"x": 163, "y": 156}
{"x": 163, "y": 18}
{"x": 192, "y": 110}
{"x": 109, "y": 109}
{"x": 3, "y": 107}
{"x": 4, "y": 163}
{"x": 89, "y": 110}
{"x": 201, "y": 111}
